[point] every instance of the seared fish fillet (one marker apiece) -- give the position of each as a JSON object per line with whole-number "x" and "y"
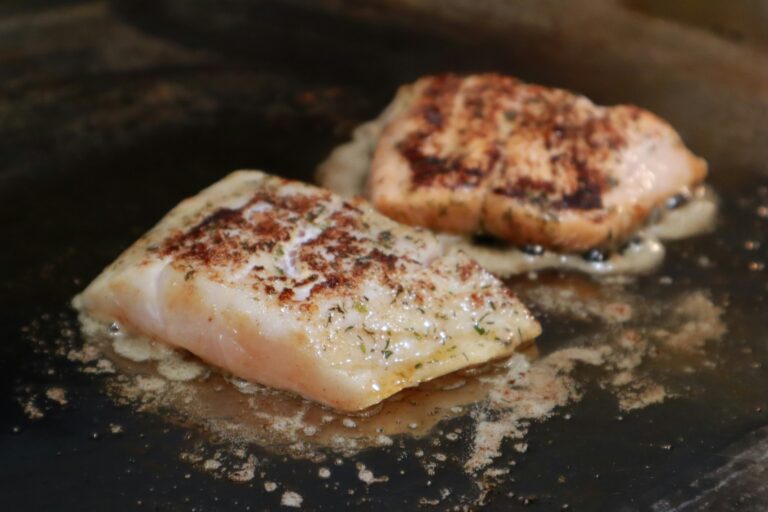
{"x": 291, "y": 286}
{"x": 525, "y": 163}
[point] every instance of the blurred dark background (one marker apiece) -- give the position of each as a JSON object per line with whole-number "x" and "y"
{"x": 77, "y": 76}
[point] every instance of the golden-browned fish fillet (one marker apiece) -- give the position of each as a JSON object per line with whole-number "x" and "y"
{"x": 292, "y": 286}
{"x": 525, "y": 163}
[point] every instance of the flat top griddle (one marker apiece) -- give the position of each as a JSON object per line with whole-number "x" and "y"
{"x": 111, "y": 113}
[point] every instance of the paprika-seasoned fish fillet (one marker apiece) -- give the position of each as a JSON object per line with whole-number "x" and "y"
{"x": 291, "y": 286}
{"x": 528, "y": 164}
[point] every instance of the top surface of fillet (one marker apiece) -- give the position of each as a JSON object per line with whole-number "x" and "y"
{"x": 289, "y": 285}
{"x": 526, "y": 163}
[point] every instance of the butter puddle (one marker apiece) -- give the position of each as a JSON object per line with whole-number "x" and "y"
{"x": 502, "y": 399}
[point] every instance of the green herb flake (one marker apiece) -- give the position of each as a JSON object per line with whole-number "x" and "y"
{"x": 363, "y": 348}
{"x": 360, "y": 307}
{"x": 418, "y": 365}
{"x": 387, "y": 354}
{"x": 479, "y": 330}
{"x": 385, "y": 239}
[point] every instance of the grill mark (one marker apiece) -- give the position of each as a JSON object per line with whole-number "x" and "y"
{"x": 434, "y": 108}
{"x": 428, "y": 170}
{"x": 589, "y": 190}
{"x": 524, "y": 186}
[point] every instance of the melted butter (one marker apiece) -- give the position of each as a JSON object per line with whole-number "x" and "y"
{"x": 506, "y": 261}
{"x": 500, "y": 399}
{"x": 230, "y": 406}
{"x": 695, "y": 217}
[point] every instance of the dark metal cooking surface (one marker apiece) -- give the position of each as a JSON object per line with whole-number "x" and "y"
{"x": 109, "y": 114}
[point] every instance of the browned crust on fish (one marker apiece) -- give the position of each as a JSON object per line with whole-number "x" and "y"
{"x": 526, "y": 163}
{"x": 229, "y": 237}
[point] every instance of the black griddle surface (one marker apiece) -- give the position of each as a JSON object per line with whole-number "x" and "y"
{"x": 110, "y": 114}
